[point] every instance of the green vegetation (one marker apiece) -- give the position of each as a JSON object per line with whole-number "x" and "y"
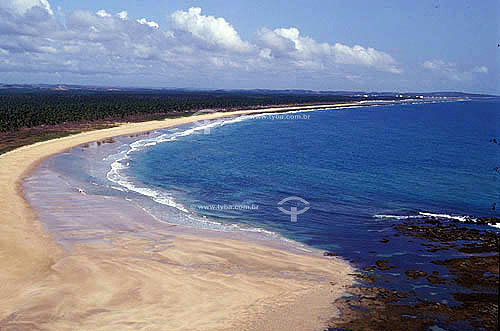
{"x": 30, "y": 115}
{"x": 32, "y": 109}
{"x": 11, "y": 140}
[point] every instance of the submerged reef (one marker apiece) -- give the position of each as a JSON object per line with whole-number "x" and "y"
{"x": 473, "y": 284}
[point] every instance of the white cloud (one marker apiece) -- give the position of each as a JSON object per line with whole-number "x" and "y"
{"x": 275, "y": 43}
{"x": 365, "y": 56}
{"x": 439, "y": 65}
{"x": 480, "y": 69}
{"x": 122, "y": 15}
{"x": 151, "y": 24}
{"x": 88, "y": 42}
{"x": 20, "y": 7}
{"x": 209, "y": 30}
{"x": 451, "y": 71}
{"x": 287, "y": 42}
{"x": 47, "y": 49}
{"x": 103, "y": 13}
{"x": 25, "y": 20}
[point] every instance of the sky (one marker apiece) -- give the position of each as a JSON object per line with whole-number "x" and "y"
{"x": 406, "y": 46}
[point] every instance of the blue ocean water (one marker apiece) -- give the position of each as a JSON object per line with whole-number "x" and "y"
{"x": 349, "y": 164}
{"x": 359, "y": 170}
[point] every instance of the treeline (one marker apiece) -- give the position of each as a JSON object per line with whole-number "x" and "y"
{"x": 36, "y": 108}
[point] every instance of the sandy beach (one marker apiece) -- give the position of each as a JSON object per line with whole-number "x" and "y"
{"x": 186, "y": 283}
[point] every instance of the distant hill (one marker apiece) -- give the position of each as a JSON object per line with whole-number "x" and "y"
{"x": 369, "y": 94}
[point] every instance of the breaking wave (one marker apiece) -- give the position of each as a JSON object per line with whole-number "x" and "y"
{"x": 427, "y": 215}
{"x": 183, "y": 215}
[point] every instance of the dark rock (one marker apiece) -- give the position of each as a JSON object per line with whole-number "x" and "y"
{"x": 382, "y": 264}
{"x": 379, "y": 309}
{"x": 415, "y": 274}
{"x": 488, "y": 220}
{"x": 435, "y": 280}
{"x": 470, "y": 271}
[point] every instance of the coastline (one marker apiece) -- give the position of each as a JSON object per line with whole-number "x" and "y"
{"x": 189, "y": 282}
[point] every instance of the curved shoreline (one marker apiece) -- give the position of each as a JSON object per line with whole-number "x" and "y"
{"x": 188, "y": 283}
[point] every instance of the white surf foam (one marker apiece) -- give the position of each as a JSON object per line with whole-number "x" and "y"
{"x": 421, "y": 214}
{"x": 397, "y": 217}
{"x": 124, "y": 183}
{"x": 116, "y": 175}
{"x": 461, "y": 218}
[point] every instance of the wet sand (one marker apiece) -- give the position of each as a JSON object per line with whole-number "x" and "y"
{"x": 138, "y": 276}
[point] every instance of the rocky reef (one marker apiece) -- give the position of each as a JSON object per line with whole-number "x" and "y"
{"x": 472, "y": 280}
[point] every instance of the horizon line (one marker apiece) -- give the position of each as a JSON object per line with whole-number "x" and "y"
{"x": 239, "y": 89}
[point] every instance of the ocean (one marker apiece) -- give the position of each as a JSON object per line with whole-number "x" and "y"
{"x": 337, "y": 180}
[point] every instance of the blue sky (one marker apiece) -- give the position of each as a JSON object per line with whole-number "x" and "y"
{"x": 335, "y": 45}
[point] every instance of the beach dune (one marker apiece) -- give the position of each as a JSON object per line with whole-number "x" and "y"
{"x": 188, "y": 282}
